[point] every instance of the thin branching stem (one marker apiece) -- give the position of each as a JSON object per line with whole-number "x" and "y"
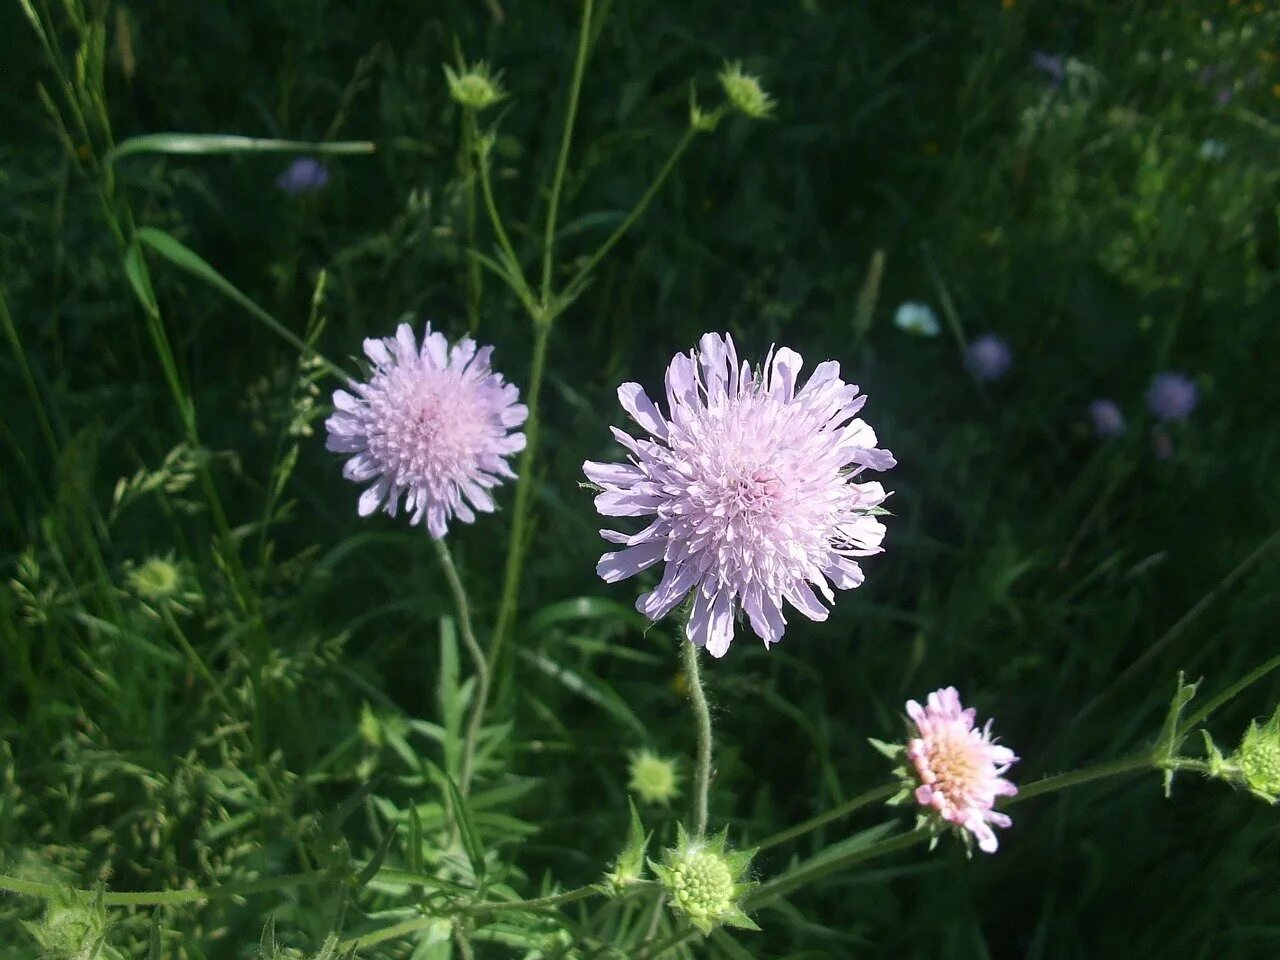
{"x": 524, "y": 491}
{"x": 566, "y": 139}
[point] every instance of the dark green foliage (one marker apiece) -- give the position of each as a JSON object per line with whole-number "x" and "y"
{"x": 296, "y": 703}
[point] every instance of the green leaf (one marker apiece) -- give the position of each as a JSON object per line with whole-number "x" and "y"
{"x": 467, "y": 828}
{"x": 598, "y": 693}
{"x": 1169, "y": 742}
{"x": 373, "y": 866}
{"x": 136, "y": 272}
{"x": 191, "y": 262}
{"x": 335, "y": 820}
{"x": 221, "y": 143}
{"x": 153, "y": 937}
{"x": 583, "y": 608}
{"x": 449, "y": 690}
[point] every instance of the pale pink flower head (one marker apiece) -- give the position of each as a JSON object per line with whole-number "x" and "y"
{"x": 432, "y": 425}
{"x": 959, "y": 768}
{"x": 753, "y": 486}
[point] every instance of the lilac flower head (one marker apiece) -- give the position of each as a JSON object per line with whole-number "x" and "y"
{"x": 1172, "y": 396}
{"x": 988, "y": 358}
{"x": 959, "y": 768}
{"x": 1107, "y": 419}
{"x": 752, "y": 484}
{"x": 1051, "y": 65}
{"x": 304, "y": 175}
{"x": 432, "y": 425}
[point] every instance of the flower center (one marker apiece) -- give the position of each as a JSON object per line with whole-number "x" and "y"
{"x": 957, "y": 767}
{"x": 703, "y": 884}
{"x": 427, "y": 432}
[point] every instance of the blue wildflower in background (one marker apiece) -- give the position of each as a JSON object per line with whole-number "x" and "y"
{"x": 1107, "y": 419}
{"x": 304, "y": 175}
{"x": 1052, "y": 66}
{"x": 1172, "y": 396}
{"x": 988, "y": 358}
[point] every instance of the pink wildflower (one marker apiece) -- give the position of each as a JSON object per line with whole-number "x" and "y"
{"x": 753, "y": 487}
{"x": 431, "y": 425}
{"x": 960, "y": 769}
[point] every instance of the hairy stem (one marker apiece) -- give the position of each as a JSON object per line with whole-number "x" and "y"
{"x": 478, "y": 661}
{"x": 1109, "y": 768}
{"x": 702, "y": 717}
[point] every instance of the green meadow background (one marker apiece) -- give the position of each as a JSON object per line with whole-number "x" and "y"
{"x": 1110, "y": 221}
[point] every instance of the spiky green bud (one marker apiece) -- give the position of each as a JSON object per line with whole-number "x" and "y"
{"x": 704, "y": 881}
{"x": 1259, "y": 758}
{"x": 72, "y": 929}
{"x": 157, "y": 578}
{"x": 745, "y": 92}
{"x": 654, "y": 779}
{"x": 628, "y": 870}
{"x": 474, "y": 87}
{"x": 162, "y": 582}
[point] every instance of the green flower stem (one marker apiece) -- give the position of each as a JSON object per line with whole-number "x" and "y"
{"x": 519, "y": 286}
{"x": 477, "y": 658}
{"x": 580, "y": 278}
{"x": 562, "y": 162}
{"x": 819, "y": 867}
{"x": 524, "y": 491}
{"x": 1144, "y": 760}
{"x": 467, "y": 161}
{"x": 405, "y": 927}
{"x": 166, "y": 898}
{"x": 1226, "y": 696}
{"x": 835, "y": 813}
{"x": 702, "y": 716}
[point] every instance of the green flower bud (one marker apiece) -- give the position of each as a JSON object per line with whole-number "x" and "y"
{"x": 704, "y": 882}
{"x": 1259, "y": 758}
{"x": 72, "y": 930}
{"x": 654, "y": 779}
{"x": 628, "y": 870}
{"x": 162, "y": 582}
{"x": 474, "y": 87}
{"x": 156, "y": 579}
{"x": 745, "y": 93}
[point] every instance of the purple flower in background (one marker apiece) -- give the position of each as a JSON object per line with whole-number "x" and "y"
{"x": 1224, "y": 96}
{"x": 1172, "y": 396}
{"x": 751, "y": 484}
{"x": 431, "y": 425}
{"x": 1107, "y": 419}
{"x": 988, "y": 358}
{"x": 1052, "y": 66}
{"x": 303, "y": 176}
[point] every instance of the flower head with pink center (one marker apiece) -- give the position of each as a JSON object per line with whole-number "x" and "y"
{"x": 958, "y": 769}
{"x": 432, "y": 426}
{"x": 753, "y": 486}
